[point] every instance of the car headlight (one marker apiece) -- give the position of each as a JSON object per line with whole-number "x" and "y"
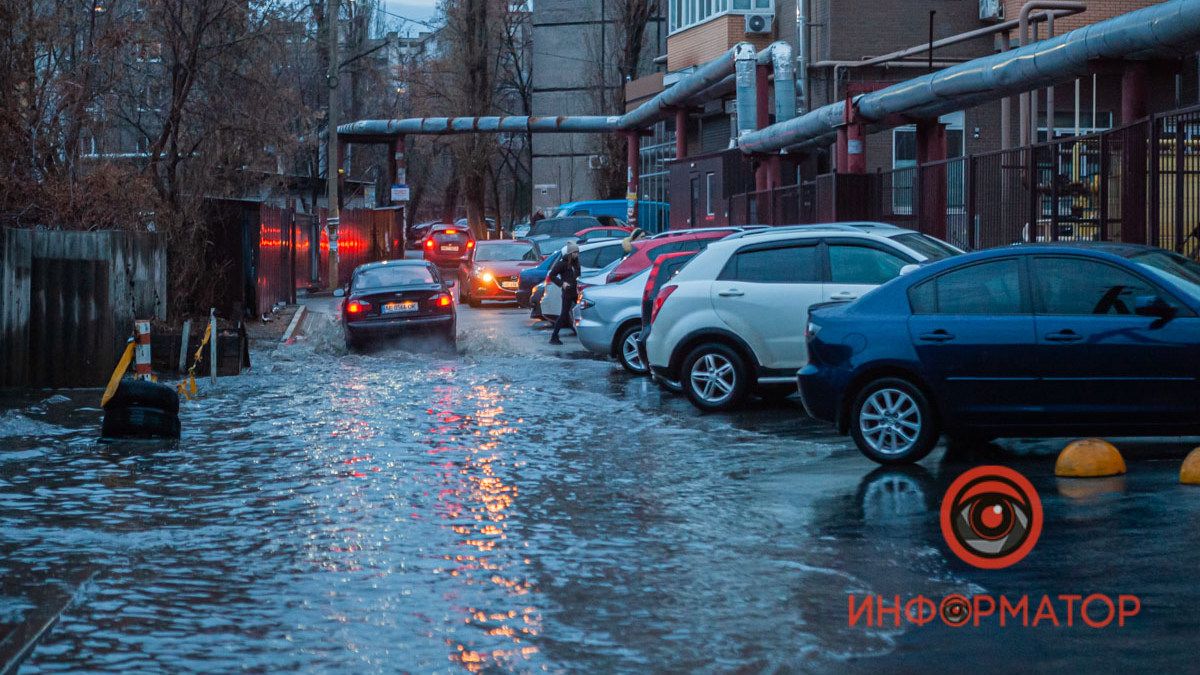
{"x": 486, "y": 277}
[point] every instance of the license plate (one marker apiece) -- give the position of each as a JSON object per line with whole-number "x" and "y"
{"x": 450, "y": 247}
{"x": 510, "y": 285}
{"x": 399, "y": 307}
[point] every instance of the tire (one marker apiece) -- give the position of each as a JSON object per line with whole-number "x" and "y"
{"x": 139, "y": 422}
{"x": 901, "y": 427}
{"x": 775, "y": 392}
{"x": 144, "y": 394}
{"x": 725, "y": 370}
{"x": 625, "y": 349}
{"x": 463, "y": 298}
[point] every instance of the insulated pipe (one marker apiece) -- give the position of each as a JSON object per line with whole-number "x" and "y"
{"x": 451, "y": 125}
{"x": 1166, "y": 30}
{"x": 778, "y": 55}
{"x": 705, "y": 76}
{"x": 1029, "y": 104}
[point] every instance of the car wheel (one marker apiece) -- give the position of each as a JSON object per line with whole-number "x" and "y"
{"x": 463, "y": 298}
{"x": 892, "y": 422}
{"x": 714, "y": 377}
{"x": 627, "y": 350}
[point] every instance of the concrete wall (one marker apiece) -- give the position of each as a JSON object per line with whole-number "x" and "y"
{"x": 68, "y": 301}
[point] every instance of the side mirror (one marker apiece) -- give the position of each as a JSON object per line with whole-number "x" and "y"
{"x": 908, "y": 269}
{"x": 1153, "y": 305}
{"x": 339, "y": 292}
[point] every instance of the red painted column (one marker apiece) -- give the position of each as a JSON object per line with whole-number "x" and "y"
{"x": 1133, "y": 91}
{"x": 1134, "y": 189}
{"x": 632, "y": 155}
{"x": 762, "y": 96}
{"x": 681, "y": 118}
{"x": 931, "y": 180}
{"x": 851, "y": 143}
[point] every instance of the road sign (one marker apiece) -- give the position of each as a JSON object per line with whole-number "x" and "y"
{"x": 399, "y": 193}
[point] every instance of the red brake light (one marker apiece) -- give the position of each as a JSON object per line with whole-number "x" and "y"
{"x": 357, "y": 307}
{"x": 662, "y": 297}
{"x": 470, "y": 244}
{"x": 451, "y": 231}
{"x": 444, "y": 300}
{"x": 429, "y": 243}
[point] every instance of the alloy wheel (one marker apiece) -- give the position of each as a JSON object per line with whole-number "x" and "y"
{"x": 890, "y": 421}
{"x": 629, "y": 352}
{"x": 713, "y": 378}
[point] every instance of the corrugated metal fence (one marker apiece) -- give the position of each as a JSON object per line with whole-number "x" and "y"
{"x": 68, "y": 301}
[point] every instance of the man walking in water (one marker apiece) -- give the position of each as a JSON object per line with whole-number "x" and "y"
{"x": 565, "y": 275}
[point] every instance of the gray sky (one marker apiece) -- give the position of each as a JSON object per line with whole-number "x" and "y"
{"x": 419, "y": 10}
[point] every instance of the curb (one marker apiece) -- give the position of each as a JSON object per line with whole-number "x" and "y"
{"x": 291, "y": 329}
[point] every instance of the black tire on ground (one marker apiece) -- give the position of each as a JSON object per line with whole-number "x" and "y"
{"x": 619, "y": 350}
{"x": 726, "y": 370}
{"x": 774, "y": 392}
{"x": 139, "y": 422}
{"x": 144, "y": 393}
{"x": 463, "y": 298}
{"x": 900, "y": 433}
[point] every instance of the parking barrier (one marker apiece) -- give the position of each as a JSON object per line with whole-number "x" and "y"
{"x": 115, "y": 380}
{"x": 1089, "y": 458}
{"x": 187, "y": 388}
{"x": 1189, "y": 473}
{"x": 141, "y": 330}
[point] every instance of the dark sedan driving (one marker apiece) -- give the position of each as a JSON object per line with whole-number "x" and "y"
{"x": 395, "y": 297}
{"x": 1033, "y": 340}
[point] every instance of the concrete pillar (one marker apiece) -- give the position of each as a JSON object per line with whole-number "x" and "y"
{"x": 931, "y": 180}
{"x": 632, "y": 157}
{"x": 681, "y": 118}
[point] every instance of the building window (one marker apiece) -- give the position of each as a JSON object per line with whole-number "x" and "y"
{"x": 687, "y": 13}
{"x": 904, "y": 162}
{"x": 708, "y": 194}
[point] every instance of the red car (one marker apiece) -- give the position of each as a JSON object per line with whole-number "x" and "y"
{"x": 448, "y": 245}
{"x": 493, "y": 271}
{"x": 646, "y": 250}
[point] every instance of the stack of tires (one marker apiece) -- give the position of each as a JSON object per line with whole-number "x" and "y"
{"x": 141, "y": 409}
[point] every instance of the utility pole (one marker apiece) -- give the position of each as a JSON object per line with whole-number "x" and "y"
{"x": 333, "y": 160}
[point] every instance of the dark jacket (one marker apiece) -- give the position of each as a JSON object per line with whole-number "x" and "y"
{"x": 565, "y": 273}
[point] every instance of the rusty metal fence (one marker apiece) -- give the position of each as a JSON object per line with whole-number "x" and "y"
{"x": 1139, "y": 183}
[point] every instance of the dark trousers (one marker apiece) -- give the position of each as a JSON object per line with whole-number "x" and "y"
{"x": 564, "y": 315}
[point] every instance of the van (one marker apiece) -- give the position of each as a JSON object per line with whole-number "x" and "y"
{"x": 652, "y": 216}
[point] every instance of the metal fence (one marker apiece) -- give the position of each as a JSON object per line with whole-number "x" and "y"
{"x": 1139, "y": 183}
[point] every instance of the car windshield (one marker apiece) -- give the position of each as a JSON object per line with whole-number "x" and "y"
{"x": 505, "y": 252}
{"x": 1184, "y": 270}
{"x": 396, "y": 275}
{"x": 927, "y": 246}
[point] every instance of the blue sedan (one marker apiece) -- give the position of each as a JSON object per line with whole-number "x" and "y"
{"x": 1031, "y": 340}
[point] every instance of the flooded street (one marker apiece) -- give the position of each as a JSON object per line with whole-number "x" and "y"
{"x": 507, "y": 508}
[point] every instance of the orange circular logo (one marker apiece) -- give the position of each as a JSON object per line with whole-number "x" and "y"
{"x": 991, "y": 517}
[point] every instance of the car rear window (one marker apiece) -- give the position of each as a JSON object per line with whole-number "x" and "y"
{"x": 399, "y": 275}
{"x": 927, "y": 246}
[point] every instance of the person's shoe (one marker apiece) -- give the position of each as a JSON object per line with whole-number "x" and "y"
{"x": 555, "y": 341}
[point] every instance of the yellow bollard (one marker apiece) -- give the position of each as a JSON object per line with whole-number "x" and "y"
{"x": 1089, "y": 458}
{"x": 1189, "y": 473}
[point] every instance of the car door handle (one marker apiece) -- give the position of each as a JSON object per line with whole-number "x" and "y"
{"x": 844, "y": 295}
{"x": 1064, "y": 336}
{"x": 938, "y": 335}
{"x": 731, "y": 293}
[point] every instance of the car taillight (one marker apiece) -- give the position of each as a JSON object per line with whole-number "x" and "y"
{"x": 357, "y": 307}
{"x": 429, "y": 243}
{"x": 650, "y": 284}
{"x": 658, "y": 301}
{"x": 444, "y": 300}
{"x": 451, "y": 231}
{"x": 470, "y": 244}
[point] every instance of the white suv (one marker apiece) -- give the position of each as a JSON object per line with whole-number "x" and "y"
{"x": 732, "y": 322}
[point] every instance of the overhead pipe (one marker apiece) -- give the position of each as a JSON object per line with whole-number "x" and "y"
{"x": 778, "y": 55}
{"x": 1167, "y": 30}
{"x": 1027, "y": 104}
{"x": 457, "y": 125}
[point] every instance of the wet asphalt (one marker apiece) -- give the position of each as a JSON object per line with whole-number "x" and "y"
{"x": 512, "y": 506}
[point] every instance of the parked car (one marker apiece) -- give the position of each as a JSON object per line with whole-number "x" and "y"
{"x": 1031, "y": 340}
{"x": 530, "y": 278}
{"x": 520, "y": 230}
{"x": 608, "y": 320}
{"x": 394, "y": 297}
{"x": 546, "y": 299}
{"x": 448, "y": 246}
{"x": 652, "y": 216}
{"x": 417, "y": 233}
{"x": 493, "y": 270}
{"x": 646, "y": 250}
{"x": 553, "y": 233}
{"x": 664, "y": 269}
{"x": 491, "y": 223}
{"x": 731, "y": 323}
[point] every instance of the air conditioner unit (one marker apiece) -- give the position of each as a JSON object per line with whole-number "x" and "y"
{"x": 597, "y": 161}
{"x": 991, "y": 10}
{"x": 759, "y": 24}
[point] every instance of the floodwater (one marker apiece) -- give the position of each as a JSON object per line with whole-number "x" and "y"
{"x": 491, "y": 510}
